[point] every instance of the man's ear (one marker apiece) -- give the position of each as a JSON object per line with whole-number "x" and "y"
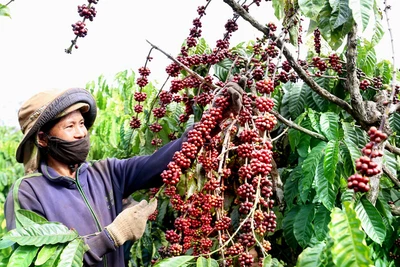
{"x": 42, "y": 139}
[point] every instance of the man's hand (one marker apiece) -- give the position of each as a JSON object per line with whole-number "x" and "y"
{"x": 236, "y": 92}
{"x": 130, "y": 224}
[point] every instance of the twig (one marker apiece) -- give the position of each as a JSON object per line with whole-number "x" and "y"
{"x": 10, "y": 2}
{"x": 391, "y": 176}
{"x": 392, "y": 149}
{"x": 182, "y": 65}
{"x": 298, "y": 127}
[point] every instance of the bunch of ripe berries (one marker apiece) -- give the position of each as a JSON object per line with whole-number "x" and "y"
{"x": 365, "y": 165}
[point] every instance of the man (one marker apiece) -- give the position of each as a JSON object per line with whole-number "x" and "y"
{"x": 61, "y": 186}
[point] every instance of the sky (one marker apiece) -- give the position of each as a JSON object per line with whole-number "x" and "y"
{"x": 32, "y": 56}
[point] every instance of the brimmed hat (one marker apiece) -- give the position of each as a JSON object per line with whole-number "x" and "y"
{"x": 46, "y": 106}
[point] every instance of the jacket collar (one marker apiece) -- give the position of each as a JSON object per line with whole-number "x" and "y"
{"x": 53, "y": 176}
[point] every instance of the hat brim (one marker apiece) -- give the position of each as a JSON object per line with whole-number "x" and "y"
{"x": 71, "y": 99}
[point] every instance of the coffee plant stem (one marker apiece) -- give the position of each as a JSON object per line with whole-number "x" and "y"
{"x": 352, "y": 82}
{"x": 392, "y": 94}
{"x": 298, "y": 127}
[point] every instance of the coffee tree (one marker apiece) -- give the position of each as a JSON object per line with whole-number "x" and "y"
{"x": 304, "y": 174}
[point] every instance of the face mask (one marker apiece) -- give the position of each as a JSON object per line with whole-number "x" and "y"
{"x": 70, "y": 153}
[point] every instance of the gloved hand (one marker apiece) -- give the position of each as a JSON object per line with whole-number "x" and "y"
{"x": 236, "y": 92}
{"x": 130, "y": 224}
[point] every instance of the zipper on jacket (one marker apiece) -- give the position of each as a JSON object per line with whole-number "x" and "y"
{"x": 98, "y": 225}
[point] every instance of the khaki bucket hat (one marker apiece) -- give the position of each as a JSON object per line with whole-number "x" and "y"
{"x": 46, "y": 106}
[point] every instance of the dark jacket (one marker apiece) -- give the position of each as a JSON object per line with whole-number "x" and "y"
{"x": 92, "y": 200}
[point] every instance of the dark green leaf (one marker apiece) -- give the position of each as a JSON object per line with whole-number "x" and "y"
{"x": 371, "y": 220}
{"x": 331, "y": 160}
{"x": 325, "y": 190}
{"x": 291, "y": 190}
{"x": 309, "y": 168}
{"x": 302, "y": 226}
{"x": 330, "y": 125}
{"x": 288, "y": 222}
{"x": 321, "y": 221}
{"x": 341, "y": 13}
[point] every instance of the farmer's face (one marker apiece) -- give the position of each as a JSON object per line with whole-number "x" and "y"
{"x": 70, "y": 128}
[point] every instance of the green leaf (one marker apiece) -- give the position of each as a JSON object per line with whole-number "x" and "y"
{"x": 28, "y": 217}
{"x": 206, "y": 262}
{"x": 4, "y": 11}
{"x": 296, "y": 99}
{"x": 22, "y": 256}
{"x": 310, "y": 8}
{"x": 287, "y": 224}
{"x": 309, "y": 168}
{"x": 347, "y": 159}
{"x": 38, "y": 235}
{"x": 394, "y": 122}
{"x": 362, "y": 11}
{"x": 366, "y": 57}
{"x": 349, "y": 248}
{"x": 291, "y": 187}
{"x": 341, "y": 13}
{"x": 278, "y": 9}
{"x": 51, "y": 262}
{"x": 302, "y": 226}
{"x": 45, "y": 253}
{"x": 325, "y": 190}
{"x": 371, "y": 220}
{"x": 312, "y": 256}
{"x": 314, "y": 119}
{"x": 378, "y": 31}
{"x": 389, "y": 160}
{"x": 5, "y": 243}
{"x": 175, "y": 261}
{"x": 321, "y": 221}
{"x": 72, "y": 254}
{"x": 330, "y": 125}
{"x": 331, "y": 160}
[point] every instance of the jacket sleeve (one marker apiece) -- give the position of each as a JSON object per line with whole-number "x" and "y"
{"x": 99, "y": 243}
{"x": 143, "y": 172}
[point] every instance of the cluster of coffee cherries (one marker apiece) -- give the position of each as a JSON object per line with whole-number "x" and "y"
{"x": 364, "y": 84}
{"x": 365, "y": 165}
{"x": 86, "y": 12}
{"x": 317, "y": 41}
{"x": 393, "y": 255}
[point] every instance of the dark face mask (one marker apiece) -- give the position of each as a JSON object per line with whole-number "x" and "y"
{"x": 70, "y": 153}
